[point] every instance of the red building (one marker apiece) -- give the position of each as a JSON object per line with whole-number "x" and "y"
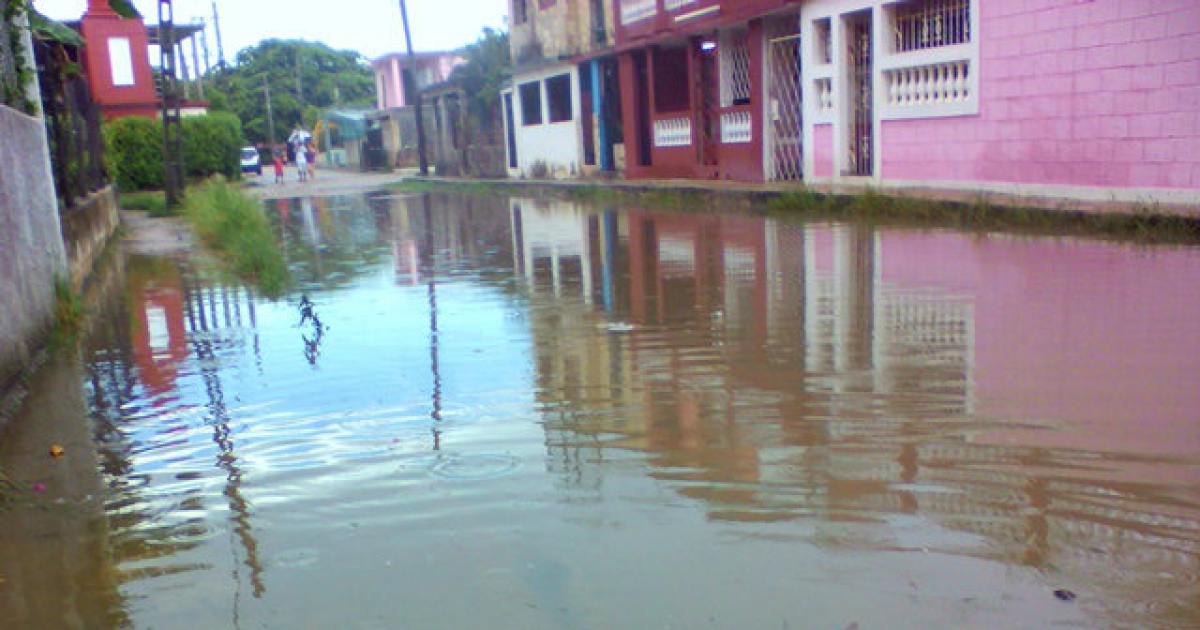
{"x": 117, "y": 62}
{"x": 710, "y": 90}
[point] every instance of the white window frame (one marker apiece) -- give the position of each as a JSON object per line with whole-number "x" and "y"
{"x": 120, "y": 62}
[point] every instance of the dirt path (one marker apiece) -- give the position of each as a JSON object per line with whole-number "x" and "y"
{"x": 157, "y": 236}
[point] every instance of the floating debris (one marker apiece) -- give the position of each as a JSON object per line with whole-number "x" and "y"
{"x": 57, "y": 451}
{"x": 296, "y": 558}
{"x": 1065, "y": 594}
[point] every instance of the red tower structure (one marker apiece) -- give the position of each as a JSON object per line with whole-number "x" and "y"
{"x": 117, "y": 62}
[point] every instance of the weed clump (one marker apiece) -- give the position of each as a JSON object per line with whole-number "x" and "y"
{"x": 69, "y": 315}
{"x": 233, "y": 223}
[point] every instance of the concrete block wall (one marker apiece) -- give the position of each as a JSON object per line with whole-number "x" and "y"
{"x": 1102, "y": 93}
{"x": 31, "y": 245}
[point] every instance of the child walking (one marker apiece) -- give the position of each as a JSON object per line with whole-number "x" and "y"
{"x": 278, "y": 159}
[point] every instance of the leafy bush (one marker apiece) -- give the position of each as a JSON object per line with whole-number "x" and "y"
{"x": 133, "y": 150}
{"x": 212, "y": 145}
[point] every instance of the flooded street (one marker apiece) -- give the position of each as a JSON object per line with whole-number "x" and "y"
{"x": 484, "y": 412}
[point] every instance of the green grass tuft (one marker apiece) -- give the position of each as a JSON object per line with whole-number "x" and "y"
{"x": 153, "y": 202}
{"x": 69, "y": 315}
{"x": 233, "y": 223}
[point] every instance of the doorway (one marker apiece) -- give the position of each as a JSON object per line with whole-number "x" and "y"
{"x": 862, "y": 117}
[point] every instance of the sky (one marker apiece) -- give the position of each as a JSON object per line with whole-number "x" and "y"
{"x": 372, "y": 27}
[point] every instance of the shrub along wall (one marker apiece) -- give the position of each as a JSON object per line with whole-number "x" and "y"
{"x": 133, "y": 149}
{"x": 133, "y": 153}
{"x": 212, "y": 144}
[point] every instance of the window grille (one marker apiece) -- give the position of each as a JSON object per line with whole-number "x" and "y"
{"x": 734, "y": 51}
{"x": 932, "y": 23}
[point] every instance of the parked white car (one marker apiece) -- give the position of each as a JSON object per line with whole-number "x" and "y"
{"x": 251, "y": 161}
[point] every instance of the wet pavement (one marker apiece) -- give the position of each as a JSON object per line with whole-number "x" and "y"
{"x": 475, "y": 411}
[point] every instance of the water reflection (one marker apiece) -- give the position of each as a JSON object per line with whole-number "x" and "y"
{"x": 584, "y": 416}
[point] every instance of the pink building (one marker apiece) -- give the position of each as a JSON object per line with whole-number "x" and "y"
{"x": 1091, "y": 99}
{"x": 431, "y": 68}
{"x": 1083, "y": 99}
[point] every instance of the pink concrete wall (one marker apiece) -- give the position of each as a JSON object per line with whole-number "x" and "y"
{"x": 1084, "y": 92}
{"x": 822, "y": 150}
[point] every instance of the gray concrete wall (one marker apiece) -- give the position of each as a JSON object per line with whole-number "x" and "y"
{"x": 86, "y": 229}
{"x": 31, "y": 246}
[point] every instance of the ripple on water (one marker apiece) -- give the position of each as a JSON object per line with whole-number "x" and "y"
{"x": 297, "y": 558}
{"x": 472, "y": 466}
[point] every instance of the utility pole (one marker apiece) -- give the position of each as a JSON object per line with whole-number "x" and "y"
{"x": 217, "y": 26}
{"x": 270, "y": 118}
{"x": 172, "y": 120}
{"x": 412, "y": 72}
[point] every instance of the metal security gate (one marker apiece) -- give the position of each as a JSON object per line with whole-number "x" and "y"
{"x": 784, "y": 129}
{"x": 861, "y": 97}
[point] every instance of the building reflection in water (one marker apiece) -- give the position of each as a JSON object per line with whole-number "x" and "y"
{"x": 780, "y": 370}
{"x": 918, "y": 389}
{"x": 178, "y": 325}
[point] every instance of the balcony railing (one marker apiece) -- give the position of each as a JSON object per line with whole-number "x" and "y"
{"x": 928, "y": 84}
{"x": 736, "y": 127}
{"x": 673, "y": 132}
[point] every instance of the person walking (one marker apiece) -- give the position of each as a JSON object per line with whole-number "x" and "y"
{"x": 310, "y": 155}
{"x": 301, "y": 163}
{"x": 277, "y": 158}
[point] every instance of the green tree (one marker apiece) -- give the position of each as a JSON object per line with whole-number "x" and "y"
{"x": 487, "y": 70}
{"x": 300, "y": 74}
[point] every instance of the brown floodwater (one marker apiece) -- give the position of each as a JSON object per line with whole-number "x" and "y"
{"x": 492, "y": 412}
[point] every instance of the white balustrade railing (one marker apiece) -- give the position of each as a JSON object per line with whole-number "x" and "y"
{"x": 636, "y": 10}
{"x": 673, "y": 132}
{"x": 824, "y": 89}
{"x": 736, "y": 127}
{"x": 928, "y": 84}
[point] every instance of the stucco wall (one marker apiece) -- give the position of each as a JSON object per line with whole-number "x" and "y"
{"x": 1103, "y": 93}
{"x": 555, "y": 146}
{"x": 86, "y": 229}
{"x": 31, "y": 247}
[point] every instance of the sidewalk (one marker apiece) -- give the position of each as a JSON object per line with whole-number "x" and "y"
{"x": 334, "y": 181}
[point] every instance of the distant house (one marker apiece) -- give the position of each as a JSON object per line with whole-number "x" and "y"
{"x": 1097, "y": 99}
{"x": 559, "y": 123}
{"x": 116, "y": 59}
{"x": 391, "y": 130}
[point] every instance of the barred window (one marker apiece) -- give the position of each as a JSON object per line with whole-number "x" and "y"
{"x": 923, "y": 24}
{"x": 734, "y": 62}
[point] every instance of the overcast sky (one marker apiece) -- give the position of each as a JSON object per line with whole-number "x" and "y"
{"x": 372, "y": 27}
